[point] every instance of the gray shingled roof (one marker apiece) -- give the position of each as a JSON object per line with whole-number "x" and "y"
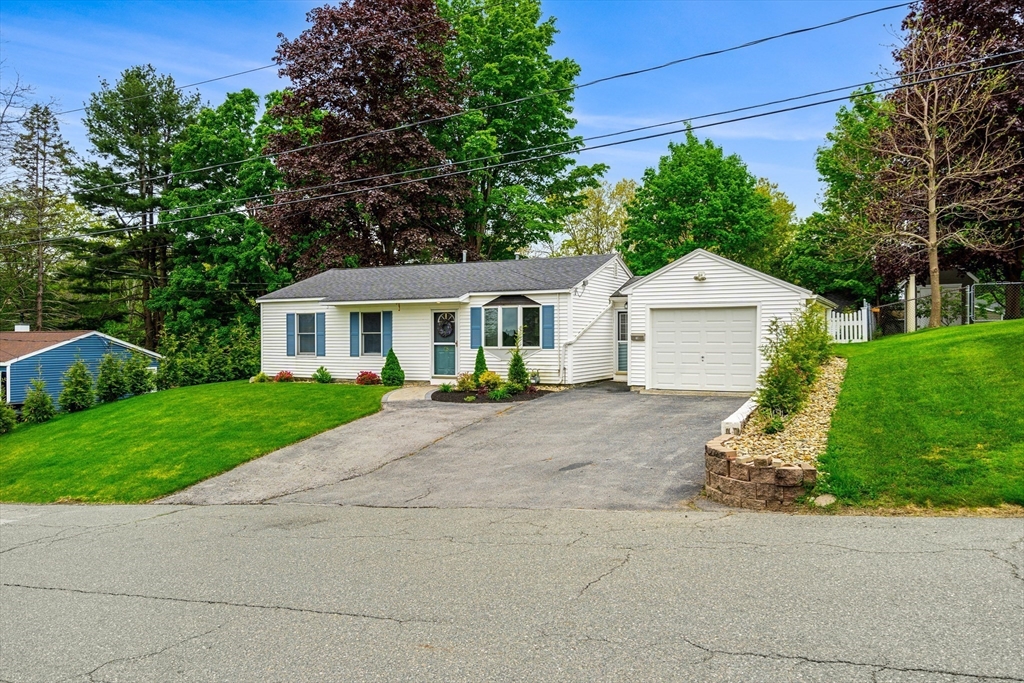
{"x": 443, "y": 280}
{"x": 627, "y": 283}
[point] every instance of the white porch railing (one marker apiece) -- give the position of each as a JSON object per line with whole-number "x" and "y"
{"x": 847, "y": 328}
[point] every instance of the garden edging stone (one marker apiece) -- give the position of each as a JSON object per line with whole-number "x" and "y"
{"x": 753, "y": 483}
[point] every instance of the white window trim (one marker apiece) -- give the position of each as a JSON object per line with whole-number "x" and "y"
{"x": 483, "y": 325}
{"x": 363, "y": 333}
{"x": 299, "y": 335}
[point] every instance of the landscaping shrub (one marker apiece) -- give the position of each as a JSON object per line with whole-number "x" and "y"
{"x": 446, "y": 388}
{"x": 321, "y": 376}
{"x": 138, "y": 378}
{"x": 518, "y": 375}
{"x": 78, "y": 393}
{"x": 110, "y": 380}
{"x": 794, "y": 353}
{"x": 8, "y": 418}
{"x": 500, "y": 393}
{"x": 208, "y": 355}
{"x": 488, "y": 381}
{"x": 218, "y": 365}
{"x": 392, "y": 375}
{"x": 774, "y": 425}
{"x": 469, "y": 399}
{"x": 38, "y": 406}
{"x": 259, "y": 378}
{"x": 467, "y": 381}
{"x": 284, "y": 376}
{"x": 481, "y": 363}
{"x": 367, "y": 377}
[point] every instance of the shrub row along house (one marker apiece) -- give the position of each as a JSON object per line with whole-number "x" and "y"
{"x": 26, "y": 355}
{"x": 696, "y": 324}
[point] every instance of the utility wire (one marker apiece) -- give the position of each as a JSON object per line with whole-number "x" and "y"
{"x": 551, "y": 154}
{"x": 527, "y": 98}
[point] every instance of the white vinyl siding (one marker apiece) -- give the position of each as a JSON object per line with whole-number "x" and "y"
{"x": 726, "y": 285}
{"x": 548, "y": 362}
{"x": 592, "y": 354}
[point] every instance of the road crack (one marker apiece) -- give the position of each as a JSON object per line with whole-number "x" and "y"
{"x": 622, "y": 563}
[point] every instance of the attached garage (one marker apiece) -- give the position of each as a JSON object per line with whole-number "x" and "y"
{"x": 698, "y": 323}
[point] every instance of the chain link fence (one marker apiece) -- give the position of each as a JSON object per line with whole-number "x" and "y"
{"x": 982, "y": 302}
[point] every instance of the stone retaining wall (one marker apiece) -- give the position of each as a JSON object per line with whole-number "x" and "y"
{"x": 755, "y": 483}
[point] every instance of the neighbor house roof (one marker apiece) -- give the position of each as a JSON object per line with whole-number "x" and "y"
{"x": 18, "y": 344}
{"x": 443, "y": 280}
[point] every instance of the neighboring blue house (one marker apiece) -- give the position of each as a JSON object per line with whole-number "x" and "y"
{"x": 26, "y": 355}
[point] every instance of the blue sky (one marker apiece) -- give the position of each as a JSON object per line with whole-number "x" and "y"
{"x": 64, "y": 48}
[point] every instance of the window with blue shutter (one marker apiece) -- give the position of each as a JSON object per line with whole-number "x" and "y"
{"x": 321, "y": 334}
{"x": 289, "y": 331}
{"x": 385, "y": 318}
{"x": 353, "y": 333}
{"x": 474, "y": 327}
{"x": 547, "y": 327}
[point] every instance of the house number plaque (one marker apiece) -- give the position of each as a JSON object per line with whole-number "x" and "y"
{"x": 637, "y": 337}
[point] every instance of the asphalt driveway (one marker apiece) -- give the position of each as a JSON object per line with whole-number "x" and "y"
{"x": 596, "y": 447}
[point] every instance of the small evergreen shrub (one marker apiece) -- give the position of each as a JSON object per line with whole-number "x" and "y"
{"x": 392, "y": 375}
{"x": 110, "y": 379}
{"x": 322, "y": 376}
{"x": 466, "y": 382}
{"x": 284, "y": 376}
{"x": 481, "y": 363}
{"x": 446, "y": 388}
{"x": 470, "y": 398}
{"x": 366, "y": 377}
{"x": 259, "y": 378}
{"x": 774, "y": 425}
{"x": 8, "y": 418}
{"x": 138, "y": 378}
{"x": 218, "y": 365}
{"x": 518, "y": 375}
{"x": 78, "y": 393}
{"x": 38, "y": 406}
{"x": 489, "y": 381}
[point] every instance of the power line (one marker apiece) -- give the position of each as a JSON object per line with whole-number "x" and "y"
{"x": 519, "y": 100}
{"x": 339, "y": 183}
{"x": 577, "y": 151}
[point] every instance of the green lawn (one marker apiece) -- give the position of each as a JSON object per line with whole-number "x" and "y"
{"x": 933, "y": 418}
{"x": 149, "y": 446}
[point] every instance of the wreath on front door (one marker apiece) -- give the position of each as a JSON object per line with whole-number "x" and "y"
{"x": 445, "y": 325}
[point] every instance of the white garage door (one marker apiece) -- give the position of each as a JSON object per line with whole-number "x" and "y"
{"x": 705, "y": 349}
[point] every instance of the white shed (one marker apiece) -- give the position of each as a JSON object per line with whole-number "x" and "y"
{"x": 698, "y": 323}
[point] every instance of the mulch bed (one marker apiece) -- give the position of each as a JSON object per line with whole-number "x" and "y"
{"x": 460, "y": 397}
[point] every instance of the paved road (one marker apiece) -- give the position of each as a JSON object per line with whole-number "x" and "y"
{"x": 597, "y": 447}
{"x": 315, "y": 593}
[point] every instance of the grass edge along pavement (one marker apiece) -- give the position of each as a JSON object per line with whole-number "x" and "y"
{"x": 930, "y": 420}
{"x": 142, "y": 448}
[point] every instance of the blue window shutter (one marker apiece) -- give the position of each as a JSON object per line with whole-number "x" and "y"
{"x": 385, "y": 336}
{"x": 321, "y": 334}
{"x": 547, "y": 327}
{"x": 474, "y": 327}
{"x": 353, "y": 334}
{"x": 289, "y": 326}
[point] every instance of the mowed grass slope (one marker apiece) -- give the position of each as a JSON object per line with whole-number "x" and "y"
{"x": 934, "y": 418}
{"x": 149, "y": 446}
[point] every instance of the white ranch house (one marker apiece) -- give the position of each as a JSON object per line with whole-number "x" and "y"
{"x": 695, "y": 325}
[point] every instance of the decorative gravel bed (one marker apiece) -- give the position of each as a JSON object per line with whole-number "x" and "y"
{"x": 806, "y": 433}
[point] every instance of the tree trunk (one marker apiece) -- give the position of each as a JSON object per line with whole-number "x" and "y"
{"x": 935, "y": 319}
{"x": 39, "y": 282}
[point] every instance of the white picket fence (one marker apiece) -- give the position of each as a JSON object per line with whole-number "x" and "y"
{"x": 848, "y": 328}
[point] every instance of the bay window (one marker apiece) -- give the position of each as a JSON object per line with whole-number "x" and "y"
{"x": 503, "y": 323}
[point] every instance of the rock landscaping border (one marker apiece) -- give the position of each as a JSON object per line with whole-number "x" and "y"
{"x": 757, "y": 482}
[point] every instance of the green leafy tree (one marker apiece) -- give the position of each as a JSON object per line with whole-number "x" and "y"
{"x": 481, "y": 364}
{"x": 502, "y": 50}
{"x": 392, "y": 374}
{"x": 825, "y": 259}
{"x": 779, "y": 239}
{"x": 132, "y": 127}
{"x": 697, "y": 198}
{"x": 138, "y": 378}
{"x": 597, "y": 228}
{"x": 219, "y": 263}
{"x": 78, "y": 392}
{"x": 38, "y": 406}
{"x": 110, "y": 378}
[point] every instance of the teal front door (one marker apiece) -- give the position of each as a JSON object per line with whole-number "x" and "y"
{"x": 445, "y": 336}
